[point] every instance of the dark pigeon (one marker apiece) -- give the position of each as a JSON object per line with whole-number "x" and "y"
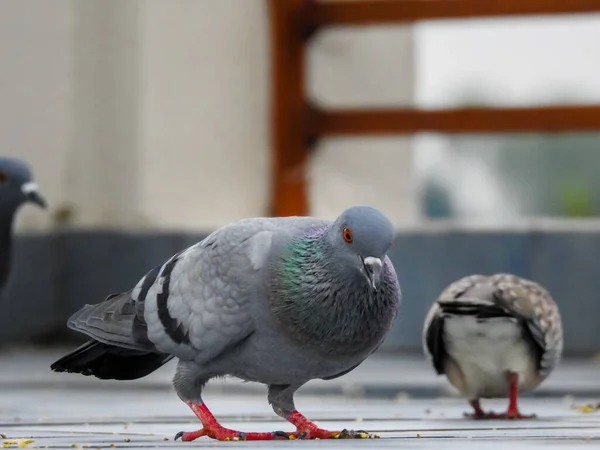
{"x": 279, "y": 301}
{"x": 16, "y": 188}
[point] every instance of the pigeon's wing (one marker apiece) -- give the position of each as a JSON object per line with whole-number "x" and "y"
{"x": 433, "y": 328}
{"x": 201, "y": 301}
{"x": 115, "y": 321}
{"x": 534, "y": 307}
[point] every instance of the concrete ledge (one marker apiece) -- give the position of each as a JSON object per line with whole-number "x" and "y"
{"x": 54, "y": 274}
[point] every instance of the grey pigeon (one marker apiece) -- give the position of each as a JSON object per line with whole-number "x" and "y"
{"x": 494, "y": 337}
{"x": 280, "y": 301}
{"x": 16, "y": 188}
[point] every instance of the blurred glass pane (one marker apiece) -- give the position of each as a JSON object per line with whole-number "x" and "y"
{"x": 371, "y": 66}
{"x": 511, "y": 61}
{"x": 502, "y": 177}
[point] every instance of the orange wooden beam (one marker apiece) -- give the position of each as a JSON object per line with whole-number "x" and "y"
{"x": 370, "y": 12}
{"x": 288, "y": 100}
{"x": 295, "y": 124}
{"x": 467, "y": 120}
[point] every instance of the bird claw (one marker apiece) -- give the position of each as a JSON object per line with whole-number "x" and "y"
{"x": 179, "y": 435}
{"x": 281, "y": 434}
{"x": 302, "y": 435}
{"x": 356, "y": 434}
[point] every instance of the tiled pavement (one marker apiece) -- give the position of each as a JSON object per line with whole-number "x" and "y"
{"x": 398, "y": 398}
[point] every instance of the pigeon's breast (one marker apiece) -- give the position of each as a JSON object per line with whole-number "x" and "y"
{"x": 272, "y": 358}
{"x": 330, "y": 309}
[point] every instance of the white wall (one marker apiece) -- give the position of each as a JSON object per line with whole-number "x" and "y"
{"x": 155, "y": 114}
{"x": 35, "y": 93}
{"x": 205, "y": 118}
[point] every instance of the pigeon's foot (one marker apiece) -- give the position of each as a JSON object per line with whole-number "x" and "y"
{"x": 305, "y": 429}
{"x": 216, "y": 432}
{"x": 213, "y": 429}
{"x": 483, "y": 415}
{"x": 515, "y": 415}
{"x": 513, "y": 410}
{"x": 225, "y": 434}
{"x": 320, "y": 433}
{"x": 478, "y": 413}
{"x": 508, "y": 415}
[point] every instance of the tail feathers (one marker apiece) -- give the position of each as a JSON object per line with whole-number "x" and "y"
{"x": 113, "y": 322}
{"x": 469, "y": 308}
{"x": 109, "y": 362}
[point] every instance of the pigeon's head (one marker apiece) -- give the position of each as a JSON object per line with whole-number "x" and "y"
{"x": 361, "y": 237}
{"x": 17, "y": 186}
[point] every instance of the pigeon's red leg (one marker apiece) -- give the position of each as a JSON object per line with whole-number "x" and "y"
{"x": 213, "y": 429}
{"x": 305, "y": 429}
{"x": 513, "y": 410}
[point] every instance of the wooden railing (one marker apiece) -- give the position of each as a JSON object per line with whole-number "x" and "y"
{"x": 297, "y": 124}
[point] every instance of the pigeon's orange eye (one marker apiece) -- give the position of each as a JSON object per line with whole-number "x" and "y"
{"x": 347, "y": 235}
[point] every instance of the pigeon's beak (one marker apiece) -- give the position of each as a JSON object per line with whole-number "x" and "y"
{"x": 32, "y": 194}
{"x": 372, "y": 267}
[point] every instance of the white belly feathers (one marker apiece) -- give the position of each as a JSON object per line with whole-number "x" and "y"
{"x": 485, "y": 351}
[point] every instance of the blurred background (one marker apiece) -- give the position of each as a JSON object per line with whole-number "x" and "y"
{"x": 148, "y": 124}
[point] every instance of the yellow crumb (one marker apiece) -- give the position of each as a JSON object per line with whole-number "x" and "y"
{"x": 418, "y": 435}
{"x": 21, "y": 443}
{"x": 587, "y": 408}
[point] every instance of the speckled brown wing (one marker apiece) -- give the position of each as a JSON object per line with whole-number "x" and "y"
{"x": 531, "y": 303}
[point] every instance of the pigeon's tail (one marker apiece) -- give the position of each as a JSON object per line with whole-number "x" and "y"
{"x": 119, "y": 349}
{"x": 109, "y": 362}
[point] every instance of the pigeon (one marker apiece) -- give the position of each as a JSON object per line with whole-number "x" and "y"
{"x": 16, "y": 188}
{"x": 279, "y": 301}
{"x": 494, "y": 337}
